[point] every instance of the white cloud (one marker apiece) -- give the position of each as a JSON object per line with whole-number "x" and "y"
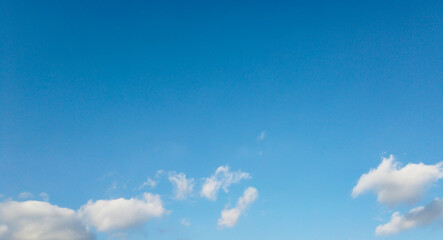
{"x": 262, "y": 136}
{"x": 420, "y": 216}
{"x": 229, "y": 217}
{"x": 185, "y": 222}
{"x": 24, "y": 195}
{"x": 150, "y": 183}
{"x": 36, "y": 220}
{"x": 159, "y": 173}
{"x": 183, "y": 187}
{"x": 222, "y": 178}
{"x": 3, "y": 231}
{"x": 44, "y": 196}
{"x": 394, "y": 184}
{"x": 121, "y": 214}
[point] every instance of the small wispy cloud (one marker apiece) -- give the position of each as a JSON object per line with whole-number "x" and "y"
{"x": 185, "y": 222}
{"x": 44, "y": 196}
{"x": 25, "y": 195}
{"x": 222, "y": 178}
{"x": 229, "y": 217}
{"x": 152, "y": 183}
{"x": 262, "y": 136}
{"x": 159, "y": 173}
{"x": 183, "y": 186}
{"x": 149, "y": 183}
{"x": 106, "y": 175}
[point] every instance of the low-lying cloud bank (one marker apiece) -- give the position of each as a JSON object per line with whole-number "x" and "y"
{"x": 183, "y": 187}
{"x": 37, "y": 220}
{"x": 40, "y": 220}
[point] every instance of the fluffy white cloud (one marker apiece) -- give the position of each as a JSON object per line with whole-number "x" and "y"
{"x": 420, "y": 216}
{"x": 121, "y": 214}
{"x": 3, "y": 231}
{"x": 222, "y": 178}
{"x": 394, "y": 184}
{"x": 229, "y": 217}
{"x": 36, "y": 220}
{"x": 183, "y": 187}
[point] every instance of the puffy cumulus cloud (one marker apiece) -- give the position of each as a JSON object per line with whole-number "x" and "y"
{"x": 121, "y": 214}
{"x": 394, "y": 184}
{"x": 36, "y": 220}
{"x": 183, "y": 186}
{"x": 229, "y": 217}
{"x": 420, "y": 216}
{"x": 222, "y": 178}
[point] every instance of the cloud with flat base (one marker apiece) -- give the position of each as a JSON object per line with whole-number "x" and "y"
{"x": 394, "y": 184}
{"x": 121, "y": 214}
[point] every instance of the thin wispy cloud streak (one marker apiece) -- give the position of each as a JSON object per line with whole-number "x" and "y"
{"x": 183, "y": 187}
{"x": 222, "y": 179}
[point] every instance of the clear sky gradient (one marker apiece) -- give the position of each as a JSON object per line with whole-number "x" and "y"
{"x": 304, "y": 96}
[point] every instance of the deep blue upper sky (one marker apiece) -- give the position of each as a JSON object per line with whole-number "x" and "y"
{"x": 90, "y": 88}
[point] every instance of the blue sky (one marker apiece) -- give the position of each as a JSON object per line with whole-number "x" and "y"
{"x": 293, "y": 100}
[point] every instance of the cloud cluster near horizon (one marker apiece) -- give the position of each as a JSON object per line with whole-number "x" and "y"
{"x": 42, "y": 220}
{"x": 394, "y": 185}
